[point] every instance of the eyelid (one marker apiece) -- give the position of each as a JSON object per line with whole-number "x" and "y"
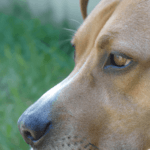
{"x": 120, "y": 54}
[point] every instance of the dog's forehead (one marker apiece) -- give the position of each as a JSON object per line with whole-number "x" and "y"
{"x": 130, "y": 28}
{"x": 130, "y": 19}
{"x": 125, "y": 11}
{"x": 131, "y": 13}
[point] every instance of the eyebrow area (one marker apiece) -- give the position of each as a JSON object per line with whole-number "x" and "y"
{"x": 106, "y": 40}
{"x": 112, "y": 42}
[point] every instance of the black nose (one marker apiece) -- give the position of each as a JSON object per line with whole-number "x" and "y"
{"x": 35, "y": 122}
{"x": 33, "y": 128}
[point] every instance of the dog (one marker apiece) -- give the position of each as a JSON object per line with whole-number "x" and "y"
{"x": 104, "y": 103}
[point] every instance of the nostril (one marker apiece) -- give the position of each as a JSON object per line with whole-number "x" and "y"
{"x": 28, "y": 135}
{"x": 34, "y": 134}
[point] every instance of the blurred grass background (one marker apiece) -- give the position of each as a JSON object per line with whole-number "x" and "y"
{"x": 34, "y": 56}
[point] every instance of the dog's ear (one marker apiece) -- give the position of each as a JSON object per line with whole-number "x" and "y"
{"x": 83, "y": 6}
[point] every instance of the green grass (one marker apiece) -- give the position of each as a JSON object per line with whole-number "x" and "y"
{"x": 31, "y": 61}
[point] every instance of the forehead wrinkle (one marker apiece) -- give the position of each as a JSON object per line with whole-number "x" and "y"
{"x": 133, "y": 31}
{"x": 127, "y": 48}
{"x": 113, "y": 41}
{"x": 132, "y": 47}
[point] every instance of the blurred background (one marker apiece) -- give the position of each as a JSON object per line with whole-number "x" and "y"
{"x": 35, "y": 54}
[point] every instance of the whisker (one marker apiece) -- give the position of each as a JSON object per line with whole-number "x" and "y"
{"x": 75, "y": 21}
{"x": 65, "y": 41}
{"x": 74, "y": 31}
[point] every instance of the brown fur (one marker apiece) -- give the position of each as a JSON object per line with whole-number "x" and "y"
{"x": 95, "y": 108}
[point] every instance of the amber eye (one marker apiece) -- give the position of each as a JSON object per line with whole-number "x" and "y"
{"x": 118, "y": 61}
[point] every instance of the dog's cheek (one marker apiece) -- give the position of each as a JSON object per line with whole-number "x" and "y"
{"x": 141, "y": 92}
{"x": 126, "y": 82}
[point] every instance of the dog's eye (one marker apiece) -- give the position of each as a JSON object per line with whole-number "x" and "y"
{"x": 117, "y": 61}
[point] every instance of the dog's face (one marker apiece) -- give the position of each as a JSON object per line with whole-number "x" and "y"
{"x": 105, "y": 102}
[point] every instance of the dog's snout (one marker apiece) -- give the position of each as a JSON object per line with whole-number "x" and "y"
{"x": 36, "y": 121}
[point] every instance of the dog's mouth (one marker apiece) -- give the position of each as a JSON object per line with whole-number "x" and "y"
{"x": 66, "y": 142}
{"x": 67, "y": 139}
{"x": 88, "y": 146}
